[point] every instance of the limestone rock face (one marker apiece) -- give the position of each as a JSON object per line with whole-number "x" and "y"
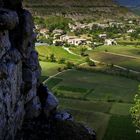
{"x": 19, "y": 68}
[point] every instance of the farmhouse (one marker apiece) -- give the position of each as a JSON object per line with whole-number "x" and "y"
{"x": 110, "y": 42}
{"x": 74, "y": 40}
{"x": 131, "y": 31}
{"x": 78, "y": 25}
{"x": 77, "y": 41}
{"x": 103, "y": 36}
{"x": 58, "y": 31}
{"x": 44, "y": 31}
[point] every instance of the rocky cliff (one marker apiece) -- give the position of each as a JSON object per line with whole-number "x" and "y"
{"x": 19, "y": 68}
{"x": 28, "y": 110}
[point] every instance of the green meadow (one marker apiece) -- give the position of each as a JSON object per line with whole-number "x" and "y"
{"x": 98, "y": 100}
{"x": 59, "y": 53}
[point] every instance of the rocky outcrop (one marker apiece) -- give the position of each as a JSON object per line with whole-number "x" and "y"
{"x": 19, "y": 68}
{"x": 28, "y": 110}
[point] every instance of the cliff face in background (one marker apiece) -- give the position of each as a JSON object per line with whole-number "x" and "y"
{"x": 78, "y": 9}
{"x": 19, "y": 68}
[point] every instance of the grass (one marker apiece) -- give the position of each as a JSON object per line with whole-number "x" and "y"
{"x": 98, "y": 113}
{"x": 59, "y": 53}
{"x": 120, "y": 109}
{"x": 85, "y": 105}
{"x": 53, "y": 82}
{"x": 127, "y": 62}
{"x": 121, "y": 128}
{"x": 96, "y": 120}
{"x": 49, "y": 69}
{"x": 73, "y": 89}
{"x": 103, "y": 54}
{"x": 102, "y": 87}
{"x": 98, "y": 100}
{"x": 127, "y": 50}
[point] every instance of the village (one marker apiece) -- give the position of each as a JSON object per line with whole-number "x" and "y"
{"x": 92, "y": 34}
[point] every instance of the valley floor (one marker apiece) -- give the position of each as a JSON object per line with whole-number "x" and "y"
{"x": 100, "y": 100}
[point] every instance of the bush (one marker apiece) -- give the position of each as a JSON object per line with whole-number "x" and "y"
{"x": 62, "y": 61}
{"x": 52, "y": 58}
{"x": 90, "y": 62}
{"x": 69, "y": 65}
{"x": 135, "y": 110}
{"x": 59, "y": 69}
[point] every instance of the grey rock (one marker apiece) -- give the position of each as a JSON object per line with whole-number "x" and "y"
{"x": 19, "y": 68}
{"x": 3, "y": 71}
{"x": 64, "y": 116}
{"x": 8, "y": 19}
{"x": 5, "y": 44}
{"x": 33, "y": 108}
{"x": 51, "y": 102}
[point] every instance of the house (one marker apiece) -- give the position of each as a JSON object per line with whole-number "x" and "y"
{"x": 110, "y": 42}
{"x": 58, "y": 42}
{"x": 73, "y": 40}
{"x": 58, "y": 31}
{"x": 103, "y": 36}
{"x": 65, "y": 38}
{"x": 131, "y": 31}
{"x": 76, "y": 41}
{"x": 103, "y": 26}
{"x": 44, "y": 31}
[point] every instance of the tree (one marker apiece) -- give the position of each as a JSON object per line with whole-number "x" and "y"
{"x": 135, "y": 110}
{"x": 90, "y": 62}
{"x": 52, "y": 58}
{"x": 83, "y": 51}
{"x": 69, "y": 65}
{"x": 62, "y": 61}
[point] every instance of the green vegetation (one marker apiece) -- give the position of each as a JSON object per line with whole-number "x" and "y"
{"x": 135, "y": 110}
{"x": 121, "y": 128}
{"x": 98, "y": 100}
{"x": 120, "y": 109}
{"x": 49, "y": 69}
{"x": 118, "y": 49}
{"x": 58, "y": 52}
{"x": 53, "y": 82}
{"x": 53, "y": 22}
{"x": 101, "y": 86}
{"x": 125, "y": 56}
{"x": 77, "y": 8}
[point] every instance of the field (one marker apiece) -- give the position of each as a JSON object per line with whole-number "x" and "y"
{"x": 49, "y": 69}
{"x": 97, "y": 100}
{"x": 59, "y": 53}
{"x": 95, "y": 86}
{"x": 125, "y": 56}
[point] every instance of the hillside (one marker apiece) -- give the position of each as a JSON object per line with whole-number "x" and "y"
{"x": 78, "y": 9}
{"x": 136, "y": 10}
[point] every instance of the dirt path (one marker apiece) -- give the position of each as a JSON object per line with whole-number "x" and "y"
{"x": 56, "y": 75}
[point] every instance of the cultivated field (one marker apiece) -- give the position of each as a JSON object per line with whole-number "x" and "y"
{"x": 98, "y": 100}
{"x": 125, "y": 56}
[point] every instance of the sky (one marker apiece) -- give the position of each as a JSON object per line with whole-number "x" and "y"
{"x": 129, "y": 3}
